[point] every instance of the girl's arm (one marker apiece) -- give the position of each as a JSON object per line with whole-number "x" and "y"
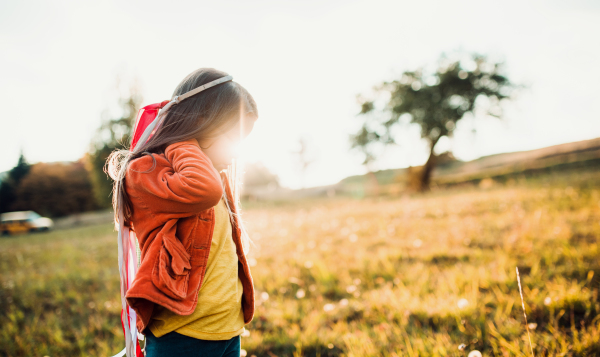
{"x": 186, "y": 184}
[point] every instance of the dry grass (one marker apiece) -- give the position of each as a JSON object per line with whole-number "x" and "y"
{"x": 412, "y": 276}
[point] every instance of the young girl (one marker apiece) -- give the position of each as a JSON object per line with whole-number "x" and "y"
{"x": 176, "y": 188}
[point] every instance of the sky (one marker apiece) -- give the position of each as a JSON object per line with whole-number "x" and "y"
{"x": 64, "y": 63}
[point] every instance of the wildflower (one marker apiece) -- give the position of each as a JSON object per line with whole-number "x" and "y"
{"x": 351, "y": 288}
{"x": 391, "y": 229}
{"x": 547, "y": 301}
{"x": 417, "y": 243}
{"x": 383, "y": 326}
{"x": 312, "y": 287}
{"x": 252, "y": 262}
{"x": 243, "y": 353}
{"x": 328, "y": 307}
{"x": 462, "y": 347}
{"x": 264, "y": 296}
{"x": 462, "y": 303}
{"x": 532, "y": 326}
{"x": 300, "y": 293}
{"x": 344, "y": 302}
{"x": 246, "y": 333}
{"x": 330, "y": 346}
{"x": 356, "y": 281}
{"x": 475, "y": 353}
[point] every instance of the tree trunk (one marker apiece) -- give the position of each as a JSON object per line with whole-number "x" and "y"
{"x": 372, "y": 184}
{"x": 428, "y": 167}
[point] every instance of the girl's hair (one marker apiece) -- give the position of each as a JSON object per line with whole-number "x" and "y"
{"x": 208, "y": 114}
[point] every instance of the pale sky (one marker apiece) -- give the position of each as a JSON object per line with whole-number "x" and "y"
{"x": 303, "y": 61}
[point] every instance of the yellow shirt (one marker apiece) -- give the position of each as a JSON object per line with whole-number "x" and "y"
{"x": 218, "y": 314}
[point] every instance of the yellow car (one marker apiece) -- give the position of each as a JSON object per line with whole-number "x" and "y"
{"x": 23, "y": 222}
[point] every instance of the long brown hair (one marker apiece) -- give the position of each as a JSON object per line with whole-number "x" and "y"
{"x": 205, "y": 115}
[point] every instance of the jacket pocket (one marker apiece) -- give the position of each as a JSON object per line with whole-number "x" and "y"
{"x": 171, "y": 282}
{"x": 171, "y": 273}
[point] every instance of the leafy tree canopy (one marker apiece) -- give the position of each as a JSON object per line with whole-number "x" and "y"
{"x": 114, "y": 133}
{"x": 55, "y": 189}
{"x": 10, "y": 184}
{"x": 434, "y": 100}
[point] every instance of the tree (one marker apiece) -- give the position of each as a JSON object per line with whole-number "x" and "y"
{"x": 55, "y": 189}
{"x": 10, "y": 184}
{"x": 114, "y": 133}
{"x": 256, "y": 174}
{"x": 435, "y": 101}
{"x": 305, "y": 157}
{"x": 258, "y": 181}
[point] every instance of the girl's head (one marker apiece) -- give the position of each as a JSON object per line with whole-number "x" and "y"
{"x": 218, "y": 118}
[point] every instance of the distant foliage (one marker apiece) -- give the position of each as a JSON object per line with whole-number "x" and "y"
{"x": 435, "y": 101}
{"x": 10, "y": 185}
{"x": 51, "y": 189}
{"x": 55, "y": 189}
{"x": 305, "y": 156}
{"x": 258, "y": 180}
{"x": 258, "y": 175}
{"x": 114, "y": 133}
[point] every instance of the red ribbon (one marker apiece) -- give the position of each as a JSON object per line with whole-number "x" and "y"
{"x": 146, "y": 115}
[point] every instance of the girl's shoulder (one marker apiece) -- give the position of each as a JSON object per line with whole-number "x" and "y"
{"x": 191, "y": 144}
{"x": 149, "y": 161}
{"x": 144, "y": 163}
{"x": 182, "y": 164}
{"x": 180, "y": 179}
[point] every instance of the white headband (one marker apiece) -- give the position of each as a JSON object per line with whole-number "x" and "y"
{"x": 179, "y": 98}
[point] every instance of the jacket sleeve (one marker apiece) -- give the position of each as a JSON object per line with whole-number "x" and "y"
{"x": 188, "y": 185}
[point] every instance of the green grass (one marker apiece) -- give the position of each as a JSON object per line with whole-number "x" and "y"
{"x": 59, "y": 294}
{"x": 409, "y": 276}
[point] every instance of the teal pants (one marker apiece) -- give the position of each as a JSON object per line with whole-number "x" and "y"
{"x": 175, "y": 344}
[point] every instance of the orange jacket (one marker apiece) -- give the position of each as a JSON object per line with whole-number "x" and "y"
{"x": 173, "y": 199}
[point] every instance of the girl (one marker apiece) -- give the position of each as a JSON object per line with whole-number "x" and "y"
{"x": 177, "y": 189}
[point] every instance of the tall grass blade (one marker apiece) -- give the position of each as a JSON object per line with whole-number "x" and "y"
{"x": 524, "y": 314}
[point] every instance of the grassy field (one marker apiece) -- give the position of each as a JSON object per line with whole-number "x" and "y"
{"x": 390, "y": 276}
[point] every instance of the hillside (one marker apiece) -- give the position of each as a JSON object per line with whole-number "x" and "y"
{"x": 499, "y": 166}
{"x": 515, "y": 162}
